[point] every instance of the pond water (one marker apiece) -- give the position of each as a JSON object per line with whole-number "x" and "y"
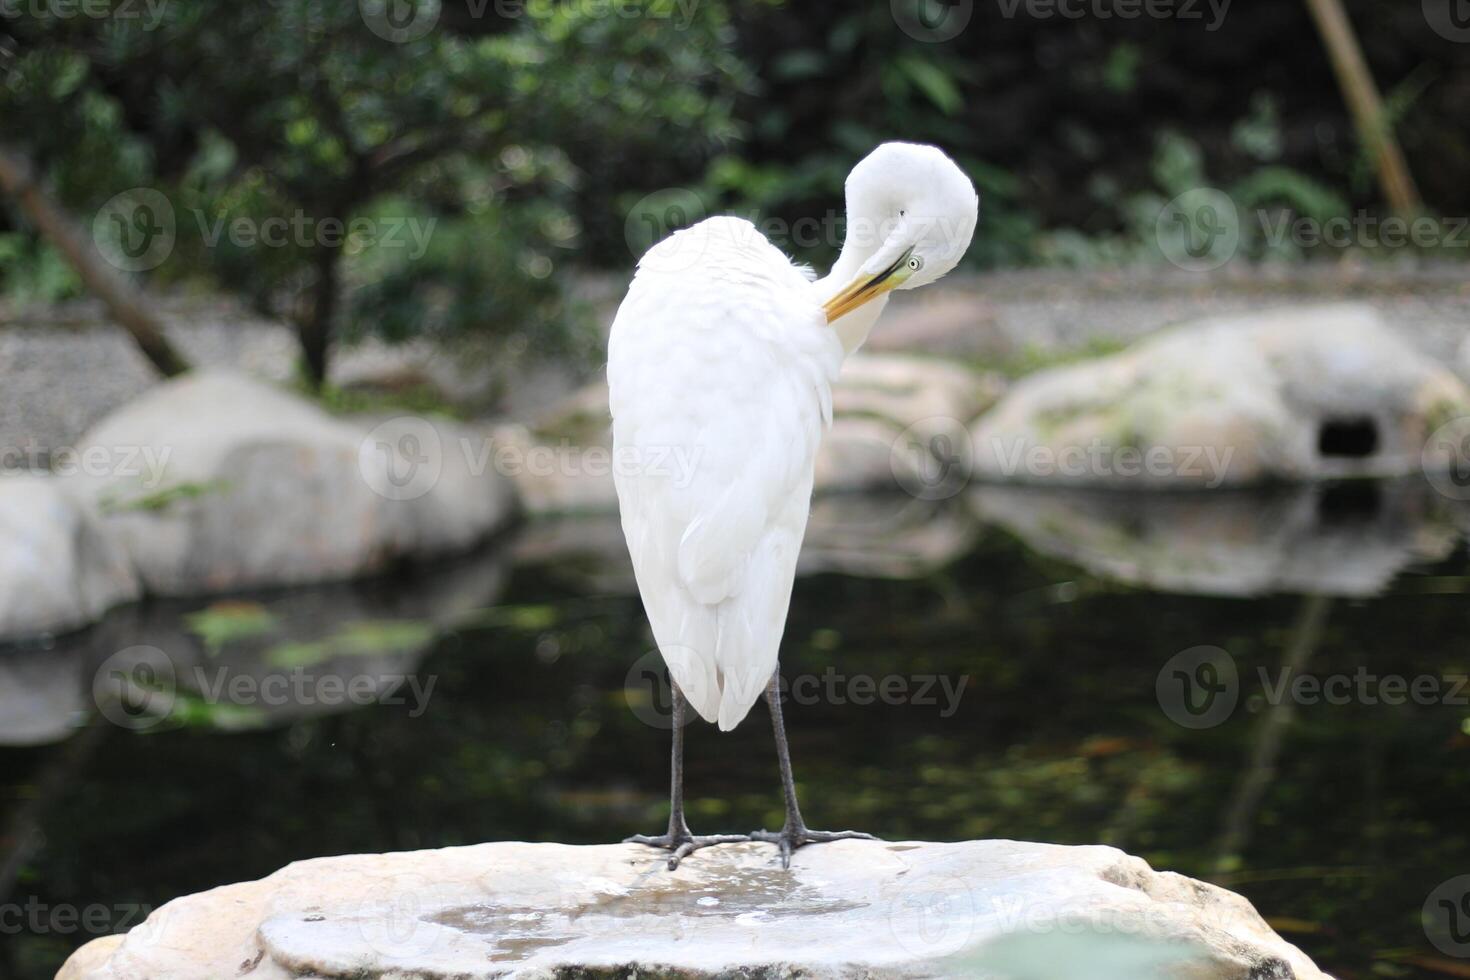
{"x": 1262, "y": 691}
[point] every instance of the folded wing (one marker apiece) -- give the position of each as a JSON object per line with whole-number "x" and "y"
{"x": 720, "y": 367}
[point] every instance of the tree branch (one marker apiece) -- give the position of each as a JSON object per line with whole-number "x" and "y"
{"x": 124, "y": 301}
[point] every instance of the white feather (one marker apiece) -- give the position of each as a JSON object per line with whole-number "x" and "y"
{"x": 720, "y": 356}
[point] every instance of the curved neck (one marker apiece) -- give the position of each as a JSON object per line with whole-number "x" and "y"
{"x": 854, "y": 328}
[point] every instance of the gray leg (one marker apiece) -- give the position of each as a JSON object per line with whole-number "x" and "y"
{"x": 794, "y": 833}
{"x": 679, "y": 839}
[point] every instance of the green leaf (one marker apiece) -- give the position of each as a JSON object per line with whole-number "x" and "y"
{"x": 933, "y": 82}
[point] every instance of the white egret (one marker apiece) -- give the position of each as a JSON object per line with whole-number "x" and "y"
{"x": 723, "y": 355}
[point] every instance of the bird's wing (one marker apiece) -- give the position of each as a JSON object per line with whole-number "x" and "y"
{"x": 720, "y": 367}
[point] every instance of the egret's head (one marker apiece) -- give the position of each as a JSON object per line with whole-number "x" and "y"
{"x": 910, "y": 214}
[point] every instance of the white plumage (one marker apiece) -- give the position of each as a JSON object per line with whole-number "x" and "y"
{"x": 723, "y": 356}
{"x": 720, "y": 356}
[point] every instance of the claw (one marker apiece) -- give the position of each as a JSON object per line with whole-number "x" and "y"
{"x": 790, "y": 838}
{"x": 683, "y": 844}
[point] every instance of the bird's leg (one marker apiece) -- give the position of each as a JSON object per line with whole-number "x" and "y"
{"x": 795, "y": 832}
{"x": 679, "y": 839}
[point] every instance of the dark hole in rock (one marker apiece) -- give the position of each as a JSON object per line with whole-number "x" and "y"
{"x": 1351, "y": 437}
{"x": 1354, "y": 502}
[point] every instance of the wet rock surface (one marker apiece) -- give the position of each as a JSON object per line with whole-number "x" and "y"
{"x": 851, "y": 909}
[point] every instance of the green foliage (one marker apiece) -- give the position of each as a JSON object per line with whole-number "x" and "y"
{"x": 33, "y": 272}
{"x": 344, "y": 181}
{"x": 161, "y": 499}
{"x": 228, "y": 622}
{"x": 364, "y": 638}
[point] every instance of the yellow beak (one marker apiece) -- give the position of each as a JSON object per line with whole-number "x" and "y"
{"x": 865, "y": 288}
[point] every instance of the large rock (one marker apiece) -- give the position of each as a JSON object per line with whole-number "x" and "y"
{"x": 57, "y": 570}
{"x": 217, "y": 482}
{"x": 1292, "y": 394}
{"x": 852, "y": 909}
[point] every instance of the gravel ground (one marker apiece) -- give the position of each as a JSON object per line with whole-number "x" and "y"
{"x": 63, "y": 368}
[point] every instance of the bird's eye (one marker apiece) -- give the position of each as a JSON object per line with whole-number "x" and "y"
{"x": 915, "y": 263}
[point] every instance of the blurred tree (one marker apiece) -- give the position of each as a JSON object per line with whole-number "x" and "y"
{"x": 126, "y": 304}
{"x": 389, "y": 167}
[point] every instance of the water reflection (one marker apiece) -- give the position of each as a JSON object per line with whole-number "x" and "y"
{"x": 251, "y": 661}
{"x": 1060, "y": 608}
{"x": 1346, "y": 539}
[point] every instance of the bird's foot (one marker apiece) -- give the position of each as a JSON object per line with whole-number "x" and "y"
{"x": 789, "y": 838}
{"x": 683, "y": 843}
